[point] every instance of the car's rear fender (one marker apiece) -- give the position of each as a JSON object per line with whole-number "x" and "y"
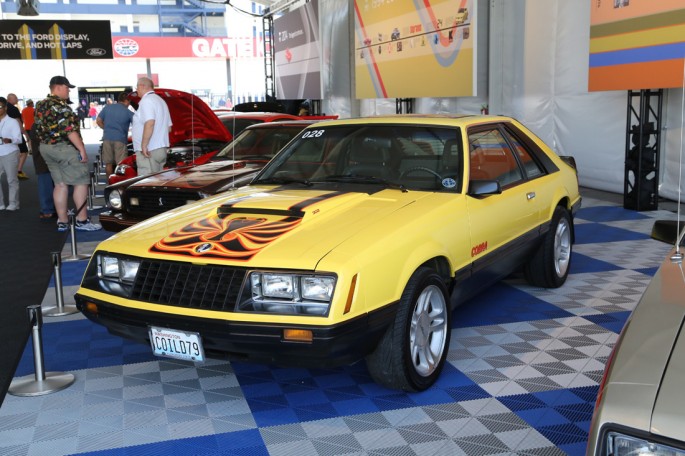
{"x": 564, "y": 201}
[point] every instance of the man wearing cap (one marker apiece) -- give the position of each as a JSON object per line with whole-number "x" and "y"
{"x": 57, "y": 127}
{"x": 150, "y": 129}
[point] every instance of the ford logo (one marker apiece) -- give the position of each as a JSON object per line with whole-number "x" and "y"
{"x": 96, "y": 52}
{"x": 202, "y": 248}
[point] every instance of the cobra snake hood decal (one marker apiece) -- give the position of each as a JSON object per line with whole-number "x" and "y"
{"x": 238, "y": 230}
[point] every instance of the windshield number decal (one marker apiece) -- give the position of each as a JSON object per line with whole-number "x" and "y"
{"x": 312, "y": 134}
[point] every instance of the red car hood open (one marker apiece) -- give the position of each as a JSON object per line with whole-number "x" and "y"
{"x": 192, "y": 118}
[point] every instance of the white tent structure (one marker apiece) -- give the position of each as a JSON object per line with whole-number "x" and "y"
{"x": 533, "y": 65}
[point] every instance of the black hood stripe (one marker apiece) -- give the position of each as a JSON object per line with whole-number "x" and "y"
{"x": 297, "y": 210}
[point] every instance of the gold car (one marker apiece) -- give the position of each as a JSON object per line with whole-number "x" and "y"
{"x": 639, "y": 408}
{"x": 355, "y": 242}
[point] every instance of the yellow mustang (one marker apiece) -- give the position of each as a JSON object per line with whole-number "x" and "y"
{"x": 356, "y": 241}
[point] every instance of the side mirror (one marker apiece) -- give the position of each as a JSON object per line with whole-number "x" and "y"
{"x": 484, "y": 187}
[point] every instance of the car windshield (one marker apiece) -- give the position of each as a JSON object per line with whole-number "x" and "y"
{"x": 407, "y": 157}
{"x": 258, "y": 143}
{"x": 235, "y": 125}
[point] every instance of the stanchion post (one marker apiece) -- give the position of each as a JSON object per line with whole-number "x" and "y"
{"x": 93, "y": 183}
{"x": 91, "y": 187}
{"x": 61, "y": 309}
{"x": 72, "y": 231}
{"x": 42, "y": 382}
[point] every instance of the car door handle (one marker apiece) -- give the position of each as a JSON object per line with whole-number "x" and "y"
{"x": 530, "y": 195}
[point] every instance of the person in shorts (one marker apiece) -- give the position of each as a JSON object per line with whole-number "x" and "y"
{"x": 57, "y": 127}
{"x": 115, "y": 120}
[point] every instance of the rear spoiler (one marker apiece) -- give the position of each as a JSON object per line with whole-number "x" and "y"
{"x": 569, "y": 160}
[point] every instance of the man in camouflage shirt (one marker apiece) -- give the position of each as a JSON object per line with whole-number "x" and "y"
{"x": 57, "y": 128}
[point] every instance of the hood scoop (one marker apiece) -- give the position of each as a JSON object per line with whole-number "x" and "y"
{"x": 284, "y": 207}
{"x": 225, "y": 211}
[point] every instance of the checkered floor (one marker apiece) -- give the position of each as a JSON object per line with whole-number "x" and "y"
{"x": 524, "y": 364}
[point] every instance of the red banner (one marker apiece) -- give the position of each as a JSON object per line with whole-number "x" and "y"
{"x": 126, "y": 47}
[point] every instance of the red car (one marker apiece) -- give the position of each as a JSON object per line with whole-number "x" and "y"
{"x": 139, "y": 198}
{"x": 196, "y": 130}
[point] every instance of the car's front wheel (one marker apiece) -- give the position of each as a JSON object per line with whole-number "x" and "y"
{"x": 412, "y": 352}
{"x": 550, "y": 265}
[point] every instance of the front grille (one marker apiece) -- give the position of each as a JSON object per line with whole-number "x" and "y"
{"x": 187, "y": 285}
{"x": 156, "y": 201}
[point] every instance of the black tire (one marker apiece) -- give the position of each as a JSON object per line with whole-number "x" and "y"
{"x": 550, "y": 265}
{"x": 413, "y": 350}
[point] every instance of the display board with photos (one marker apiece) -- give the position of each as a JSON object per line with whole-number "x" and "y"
{"x": 415, "y": 49}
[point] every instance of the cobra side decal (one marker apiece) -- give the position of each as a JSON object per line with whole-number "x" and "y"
{"x": 480, "y": 248}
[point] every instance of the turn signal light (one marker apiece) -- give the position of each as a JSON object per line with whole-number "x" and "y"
{"x": 91, "y": 307}
{"x": 298, "y": 335}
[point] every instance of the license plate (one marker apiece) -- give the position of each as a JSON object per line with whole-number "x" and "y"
{"x": 176, "y": 344}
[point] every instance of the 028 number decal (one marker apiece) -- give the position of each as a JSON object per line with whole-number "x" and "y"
{"x": 313, "y": 134}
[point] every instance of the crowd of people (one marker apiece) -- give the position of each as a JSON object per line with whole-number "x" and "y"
{"x": 51, "y": 132}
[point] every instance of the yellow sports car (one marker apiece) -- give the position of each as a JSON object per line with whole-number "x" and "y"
{"x": 355, "y": 242}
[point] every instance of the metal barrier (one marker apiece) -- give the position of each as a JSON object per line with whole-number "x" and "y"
{"x": 75, "y": 256}
{"x": 42, "y": 382}
{"x": 61, "y": 308}
{"x": 91, "y": 192}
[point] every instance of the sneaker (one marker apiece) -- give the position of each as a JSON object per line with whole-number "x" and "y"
{"x": 22, "y": 175}
{"x": 12, "y": 207}
{"x": 2, "y": 207}
{"x": 87, "y": 225}
{"x": 62, "y": 226}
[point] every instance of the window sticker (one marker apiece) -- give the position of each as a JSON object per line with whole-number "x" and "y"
{"x": 448, "y": 182}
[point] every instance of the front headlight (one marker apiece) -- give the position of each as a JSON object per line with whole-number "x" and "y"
{"x": 120, "y": 170}
{"x": 114, "y": 199}
{"x": 623, "y": 445}
{"x": 117, "y": 269}
{"x": 290, "y": 293}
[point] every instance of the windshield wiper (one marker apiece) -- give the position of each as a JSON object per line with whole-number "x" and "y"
{"x": 366, "y": 180}
{"x": 282, "y": 181}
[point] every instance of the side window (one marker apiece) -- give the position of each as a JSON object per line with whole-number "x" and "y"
{"x": 491, "y": 158}
{"x": 533, "y": 170}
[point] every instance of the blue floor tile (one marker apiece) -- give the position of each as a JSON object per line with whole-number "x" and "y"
{"x": 594, "y": 233}
{"x": 501, "y": 304}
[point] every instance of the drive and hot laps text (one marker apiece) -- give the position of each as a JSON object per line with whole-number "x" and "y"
{"x": 42, "y": 41}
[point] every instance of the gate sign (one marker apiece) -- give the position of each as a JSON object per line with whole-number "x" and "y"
{"x": 45, "y": 40}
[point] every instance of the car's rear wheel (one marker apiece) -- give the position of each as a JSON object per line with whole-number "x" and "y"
{"x": 412, "y": 352}
{"x": 550, "y": 265}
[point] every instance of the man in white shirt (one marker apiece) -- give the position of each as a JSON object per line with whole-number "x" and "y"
{"x": 150, "y": 129}
{"x": 10, "y": 138}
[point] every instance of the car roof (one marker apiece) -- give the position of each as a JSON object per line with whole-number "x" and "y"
{"x": 263, "y": 116}
{"x": 282, "y": 123}
{"x": 453, "y": 120}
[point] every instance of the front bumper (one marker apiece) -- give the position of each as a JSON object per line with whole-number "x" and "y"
{"x": 117, "y": 221}
{"x": 333, "y": 345}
